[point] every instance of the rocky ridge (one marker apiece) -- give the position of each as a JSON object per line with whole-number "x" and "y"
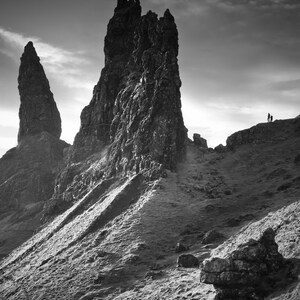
{"x": 265, "y": 133}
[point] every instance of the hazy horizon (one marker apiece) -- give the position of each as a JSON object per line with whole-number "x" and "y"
{"x": 238, "y": 60}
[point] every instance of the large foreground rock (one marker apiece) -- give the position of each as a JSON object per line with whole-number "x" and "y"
{"x": 252, "y": 271}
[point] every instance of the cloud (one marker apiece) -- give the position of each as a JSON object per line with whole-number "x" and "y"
{"x": 9, "y": 122}
{"x": 6, "y": 143}
{"x": 182, "y": 8}
{"x": 63, "y": 65}
{"x": 289, "y": 85}
{"x": 9, "y": 118}
{"x": 262, "y": 3}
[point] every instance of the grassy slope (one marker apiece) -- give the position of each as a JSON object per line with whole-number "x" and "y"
{"x": 209, "y": 191}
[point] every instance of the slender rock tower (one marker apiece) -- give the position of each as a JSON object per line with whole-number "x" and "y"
{"x": 38, "y": 111}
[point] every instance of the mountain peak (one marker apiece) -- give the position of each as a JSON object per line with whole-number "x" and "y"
{"x": 122, "y": 4}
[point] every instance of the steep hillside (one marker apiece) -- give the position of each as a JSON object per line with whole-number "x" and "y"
{"x": 118, "y": 242}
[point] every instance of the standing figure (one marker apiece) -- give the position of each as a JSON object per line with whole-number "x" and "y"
{"x": 269, "y": 116}
{"x": 271, "y": 119}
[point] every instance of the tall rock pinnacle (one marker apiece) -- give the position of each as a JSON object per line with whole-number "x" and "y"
{"x": 136, "y": 105}
{"x": 38, "y": 111}
{"x": 28, "y": 171}
{"x": 96, "y": 118}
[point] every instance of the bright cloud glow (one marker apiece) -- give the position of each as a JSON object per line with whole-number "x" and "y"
{"x": 63, "y": 65}
{"x": 9, "y": 118}
{"x": 7, "y": 143}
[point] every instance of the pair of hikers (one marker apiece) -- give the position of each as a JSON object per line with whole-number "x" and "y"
{"x": 270, "y": 118}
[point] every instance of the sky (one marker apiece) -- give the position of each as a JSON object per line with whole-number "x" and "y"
{"x": 239, "y": 59}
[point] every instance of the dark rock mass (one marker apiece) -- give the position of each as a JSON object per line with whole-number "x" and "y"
{"x": 136, "y": 106}
{"x": 252, "y": 271}
{"x": 187, "y": 261}
{"x": 212, "y": 236}
{"x": 199, "y": 141}
{"x": 27, "y": 172}
{"x": 133, "y": 123}
{"x": 221, "y": 149}
{"x": 38, "y": 111}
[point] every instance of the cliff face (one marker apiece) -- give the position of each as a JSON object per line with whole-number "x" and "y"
{"x": 148, "y": 125}
{"x": 136, "y": 106}
{"x": 133, "y": 123}
{"x": 27, "y": 172}
{"x": 38, "y": 112}
{"x": 96, "y": 118}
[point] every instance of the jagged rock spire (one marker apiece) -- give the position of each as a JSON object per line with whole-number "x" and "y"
{"x": 96, "y": 118}
{"x": 136, "y": 105}
{"x": 126, "y": 4}
{"x": 38, "y": 111}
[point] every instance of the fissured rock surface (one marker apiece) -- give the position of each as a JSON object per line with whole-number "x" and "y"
{"x": 136, "y": 105}
{"x": 252, "y": 271}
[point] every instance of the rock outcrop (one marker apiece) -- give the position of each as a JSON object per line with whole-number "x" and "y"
{"x": 276, "y": 131}
{"x": 221, "y": 148}
{"x": 27, "y": 172}
{"x": 38, "y": 112}
{"x": 199, "y": 141}
{"x": 136, "y": 106}
{"x": 252, "y": 271}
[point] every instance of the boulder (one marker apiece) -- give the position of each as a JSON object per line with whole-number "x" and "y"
{"x": 252, "y": 271}
{"x": 181, "y": 248}
{"x": 212, "y": 236}
{"x": 187, "y": 261}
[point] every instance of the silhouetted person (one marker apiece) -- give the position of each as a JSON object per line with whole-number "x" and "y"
{"x": 269, "y": 116}
{"x": 271, "y": 119}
